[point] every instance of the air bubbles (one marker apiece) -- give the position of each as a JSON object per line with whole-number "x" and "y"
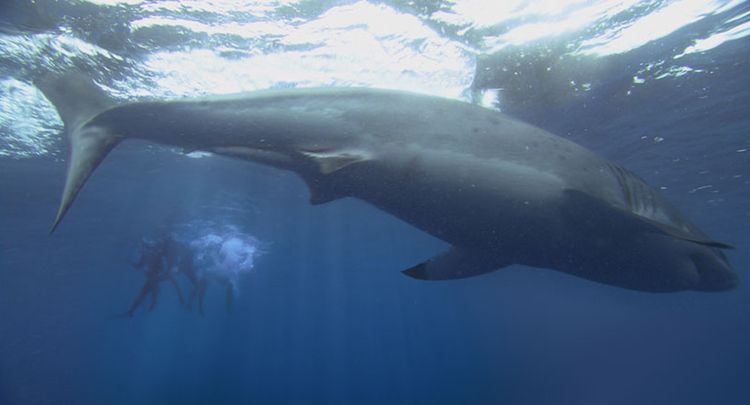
{"x": 491, "y": 98}
{"x": 706, "y": 187}
{"x": 654, "y": 139}
{"x": 29, "y": 124}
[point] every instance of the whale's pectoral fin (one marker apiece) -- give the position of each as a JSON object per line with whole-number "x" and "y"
{"x": 271, "y": 158}
{"x": 455, "y": 264}
{"x": 579, "y": 205}
{"x": 331, "y": 161}
{"x": 77, "y": 100}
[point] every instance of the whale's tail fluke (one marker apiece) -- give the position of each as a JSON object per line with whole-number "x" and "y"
{"x": 77, "y": 100}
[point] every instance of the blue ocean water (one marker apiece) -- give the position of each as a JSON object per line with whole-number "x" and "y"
{"x": 325, "y": 316}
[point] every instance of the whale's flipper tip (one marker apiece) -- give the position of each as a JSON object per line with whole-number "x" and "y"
{"x": 418, "y": 272}
{"x": 456, "y": 263}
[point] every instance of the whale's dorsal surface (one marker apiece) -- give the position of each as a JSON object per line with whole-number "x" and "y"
{"x": 498, "y": 190}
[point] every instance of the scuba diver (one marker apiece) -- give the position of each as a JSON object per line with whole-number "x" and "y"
{"x": 158, "y": 260}
{"x": 186, "y": 267}
{"x": 215, "y": 257}
{"x": 207, "y": 252}
{"x": 235, "y": 255}
{"x": 222, "y": 259}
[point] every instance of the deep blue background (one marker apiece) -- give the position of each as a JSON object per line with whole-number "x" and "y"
{"x": 328, "y": 318}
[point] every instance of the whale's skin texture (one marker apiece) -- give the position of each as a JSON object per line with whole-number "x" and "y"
{"x": 498, "y": 190}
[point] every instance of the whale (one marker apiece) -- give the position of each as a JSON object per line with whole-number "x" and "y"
{"x": 499, "y": 191}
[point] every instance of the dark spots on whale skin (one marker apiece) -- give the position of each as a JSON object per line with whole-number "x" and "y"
{"x": 475, "y": 130}
{"x": 562, "y": 158}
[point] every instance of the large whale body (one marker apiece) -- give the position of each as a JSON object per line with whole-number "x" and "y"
{"x": 500, "y": 191}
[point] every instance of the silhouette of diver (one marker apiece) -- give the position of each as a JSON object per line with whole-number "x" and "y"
{"x": 158, "y": 260}
{"x": 211, "y": 257}
{"x": 186, "y": 266}
{"x": 221, "y": 258}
